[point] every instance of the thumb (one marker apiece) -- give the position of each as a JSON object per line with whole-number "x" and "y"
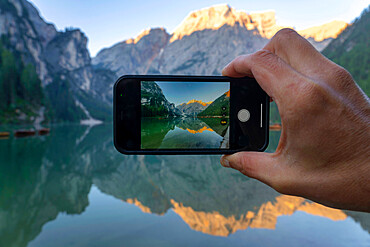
{"x": 261, "y": 166}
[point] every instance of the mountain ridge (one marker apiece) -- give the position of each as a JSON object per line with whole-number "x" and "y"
{"x": 198, "y": 101}
{"x": 263, "y": 21}
{"x": 203, "y": 43}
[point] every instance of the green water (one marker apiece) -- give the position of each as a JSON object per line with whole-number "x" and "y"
{"x": 180, "y": 133}
{"x": 72, "y": 188}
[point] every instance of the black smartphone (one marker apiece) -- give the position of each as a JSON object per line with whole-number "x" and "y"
{"x": 166, "y": 114}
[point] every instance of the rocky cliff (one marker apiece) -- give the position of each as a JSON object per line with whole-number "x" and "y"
{"x": 193, "y": 107}
{"x": 61, "y": 60}
{"x": 154, "y": 103}
{"x": 204, "y": 42}
{"x": 134, "y": 55}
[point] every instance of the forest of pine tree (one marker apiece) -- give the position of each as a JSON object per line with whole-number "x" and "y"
{"x": 20, "y": 88}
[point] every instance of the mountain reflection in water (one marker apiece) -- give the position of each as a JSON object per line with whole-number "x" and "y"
{"x": 182, "y": 132}
{"x": 42, "y": 177}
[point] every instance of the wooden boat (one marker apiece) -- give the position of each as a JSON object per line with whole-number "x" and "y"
{"x": 44, "y": 131}
{"x": 275, "y": 127}
{"x": 4, "y": 135}
{"x": 24, "y": 133}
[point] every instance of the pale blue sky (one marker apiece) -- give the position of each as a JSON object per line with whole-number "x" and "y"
{"x": 183, "y": 92}
{"x": 106, "y": 22}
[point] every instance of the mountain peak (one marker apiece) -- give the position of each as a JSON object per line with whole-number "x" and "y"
{"x": 328, "y": 30}
{"x": 144, "y": 33}
{"x": 199, "y": 101}
{"x": 217, "y": 16}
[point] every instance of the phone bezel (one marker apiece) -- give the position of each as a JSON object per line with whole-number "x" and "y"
{"x": 135, "y": 121}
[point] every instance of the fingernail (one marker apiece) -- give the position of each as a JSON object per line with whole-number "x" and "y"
{"x": 225, "y": 162}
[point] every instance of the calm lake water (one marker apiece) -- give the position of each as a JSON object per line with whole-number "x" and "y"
{"x": 72, "y": 188}
{"x": 182, "y": 133}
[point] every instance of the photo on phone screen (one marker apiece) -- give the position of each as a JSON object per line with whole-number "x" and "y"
{"x": 185, "y": 115}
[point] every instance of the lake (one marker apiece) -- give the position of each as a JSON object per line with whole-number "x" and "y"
{"x": 72, "y": 188}
{"x": 170, "y": 133}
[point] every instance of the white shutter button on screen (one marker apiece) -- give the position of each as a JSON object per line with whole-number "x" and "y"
{"x": 243, "y": 115}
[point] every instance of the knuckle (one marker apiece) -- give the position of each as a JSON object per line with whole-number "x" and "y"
{"x": 285, "y": 34}
{"x": 240, "y": 59}
{"x": 240, "y": 63}
{"x": 266, "y": 58}
{"x": 312, "y": 95}
{"x": 310, "y": 98}
{"x": 342, "y": 73}
{"x": 262, "y": 55}
{"x": 342, "y": 78}
{"x": 310, "y": 90}
{"x": 281, "y": 41}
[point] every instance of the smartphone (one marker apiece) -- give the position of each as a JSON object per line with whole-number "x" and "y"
{"x": 167, "y": 114}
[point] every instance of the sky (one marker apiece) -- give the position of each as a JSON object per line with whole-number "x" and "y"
{"x": 180, "y": 92}
{"x": 106, "y": 22}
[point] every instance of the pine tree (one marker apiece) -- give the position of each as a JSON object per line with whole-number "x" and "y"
{"x": 9, "y": 78}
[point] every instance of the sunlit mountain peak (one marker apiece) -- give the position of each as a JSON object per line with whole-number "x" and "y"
{"x": 217, "y": 16}
{"x": 144, "y": 33}
{"x": 199, "y": 101}
{"x": 325, "y": 31}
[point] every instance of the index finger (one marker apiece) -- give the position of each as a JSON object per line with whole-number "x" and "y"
{"x": 298, "y": 53}
{"x": 271, "y": 72}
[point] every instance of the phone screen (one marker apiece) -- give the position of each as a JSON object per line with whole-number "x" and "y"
{"x": 185, "y": 115}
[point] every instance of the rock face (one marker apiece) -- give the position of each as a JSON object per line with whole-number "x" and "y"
{"x": 135, "y": 55}
{"x": 192, "y": 108}
{"x": 217, "y": 16}
{"x": 61, "y": 59}
{"x": 202, "y": 44}
{"x": 154, "y": 103}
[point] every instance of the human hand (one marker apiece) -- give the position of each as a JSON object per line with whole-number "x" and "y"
{"x": 324, "y": 148}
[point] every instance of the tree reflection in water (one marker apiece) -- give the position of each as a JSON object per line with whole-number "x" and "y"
{"x": 41, "y": 177}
